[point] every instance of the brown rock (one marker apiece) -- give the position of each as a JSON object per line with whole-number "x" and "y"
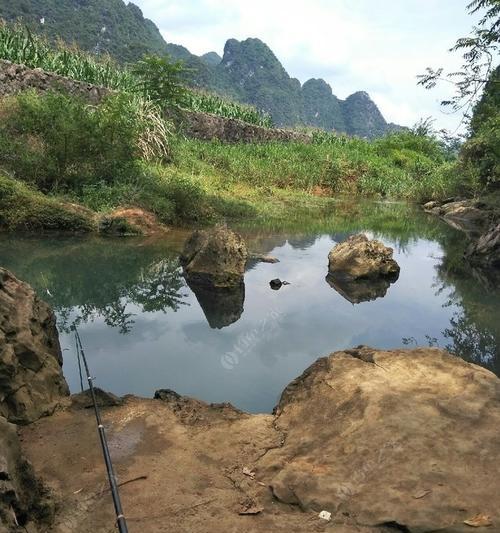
{"x": 402, "y": 437}
{"x": 131, "y": 221}
{"x": 31, "y": 379}
{"x": 215, "y": 258}
{"x": 23, "y": 499}
{"x": 402, "y": 440}
{"x": 360, "y": 258}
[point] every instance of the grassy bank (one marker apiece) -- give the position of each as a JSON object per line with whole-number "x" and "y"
{"x": 55, "y": 150}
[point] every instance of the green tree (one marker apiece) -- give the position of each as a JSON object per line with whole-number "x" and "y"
{"x": 161, "y": 80}
{"x": 480, "y": 52}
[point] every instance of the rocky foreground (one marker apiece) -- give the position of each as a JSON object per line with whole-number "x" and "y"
{"x": 405, "y": 440}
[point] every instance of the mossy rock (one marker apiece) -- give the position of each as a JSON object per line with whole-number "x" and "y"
{"x": 23, "y": 208}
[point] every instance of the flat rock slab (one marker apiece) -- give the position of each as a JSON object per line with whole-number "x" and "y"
{"x": 405, "y": 439}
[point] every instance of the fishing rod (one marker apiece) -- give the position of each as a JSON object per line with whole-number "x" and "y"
{"x": 120, "y": 518}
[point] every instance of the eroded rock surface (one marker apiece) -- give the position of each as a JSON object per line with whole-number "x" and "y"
{"x": 470, "y": 216}
{"x": 215, "y": 258}
{"x": 24, "y": 502}
{"x": 383, "y": 440}
{"x": 359, "y": 258}
{"x": 404, "y": 437}
{"x": 31, "y": 380}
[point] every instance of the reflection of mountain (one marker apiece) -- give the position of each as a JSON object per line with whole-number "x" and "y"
{"x": 222, "y": 307}
{"x": 89, "y": 278}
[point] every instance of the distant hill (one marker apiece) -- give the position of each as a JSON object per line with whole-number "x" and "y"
{"x": 248, "y": 71}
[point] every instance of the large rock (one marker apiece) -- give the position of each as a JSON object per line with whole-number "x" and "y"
{"x": 403, "y": 437}
{"x": 31, "y": 380}
{"x": 406, "y": 438}
{"x": 361, "y": 258}
{"x": 485, "y": 252}
{"x": 215, "y": 258}
{"x": 470, "y": 216}
{"x": 23, "y": 499}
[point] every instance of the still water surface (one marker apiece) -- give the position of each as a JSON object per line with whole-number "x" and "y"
{"x": 144, "y": 329}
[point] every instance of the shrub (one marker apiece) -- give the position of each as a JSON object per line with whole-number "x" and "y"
{"x": 57, "y": 142}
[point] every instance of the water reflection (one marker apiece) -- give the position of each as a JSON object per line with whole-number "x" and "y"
{"x": 221, "y": 306}
{"x": 360, "y": 290}
{"x": 86, "y": 279}
{"x": 181, "y": 338}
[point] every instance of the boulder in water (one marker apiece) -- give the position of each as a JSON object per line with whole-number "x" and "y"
{"x": 215, "y": 258}
{"x": 361, "y": 258}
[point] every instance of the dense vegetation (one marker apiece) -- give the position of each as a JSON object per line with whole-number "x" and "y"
{"x": 481, "y": 153}
{"x": 248, "y": 72}
{"x": 149, "y": 76}
{"x": 123, "y": 153}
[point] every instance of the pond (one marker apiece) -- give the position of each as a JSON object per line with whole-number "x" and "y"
{"x": 144, "y": 329}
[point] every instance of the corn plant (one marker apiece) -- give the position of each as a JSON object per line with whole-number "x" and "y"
{"x": 19, "y": 45}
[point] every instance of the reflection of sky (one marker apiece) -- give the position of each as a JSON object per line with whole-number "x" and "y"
{"x": 280, "y": 333}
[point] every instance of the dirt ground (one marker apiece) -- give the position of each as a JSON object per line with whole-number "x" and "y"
{"x": 181, "y": 466}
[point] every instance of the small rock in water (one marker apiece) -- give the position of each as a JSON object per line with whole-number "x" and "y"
{"x": 264, "y": 258}
{"x": 276, "y": 284}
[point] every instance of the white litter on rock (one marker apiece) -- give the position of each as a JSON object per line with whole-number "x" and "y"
{"x": 325, "y": 515}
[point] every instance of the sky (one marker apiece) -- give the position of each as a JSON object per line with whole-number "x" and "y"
{"x": 375, "y": 46}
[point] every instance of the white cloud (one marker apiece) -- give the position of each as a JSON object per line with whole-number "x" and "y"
{"x": 379, "y": 47}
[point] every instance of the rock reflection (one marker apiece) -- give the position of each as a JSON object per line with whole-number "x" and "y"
{"x": 222, "y": 306}
{"x": 361, "y": 290}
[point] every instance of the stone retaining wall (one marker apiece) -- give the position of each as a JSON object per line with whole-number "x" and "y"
{"x": 16, "y": 78}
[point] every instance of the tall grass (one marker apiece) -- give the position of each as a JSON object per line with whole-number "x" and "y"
{"x": 19, "y": 45}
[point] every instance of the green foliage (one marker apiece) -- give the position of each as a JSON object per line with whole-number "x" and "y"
{"x": 105, "y": 26}
{"x": 248, "y": 73}
{"x": 22, "y": 208}
{"x": 160, "y": 79}
{"x": 211, "y": 103}
{"x": 154, "y": 77}
{"x": 402, "y": 165}
{"x": 19, "y": 45}
{"x": 481, "y": 153}
{"x": 58, "y": 142}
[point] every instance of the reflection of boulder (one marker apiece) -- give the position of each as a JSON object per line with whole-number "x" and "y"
{"x": 215, "y": 258}
{"x": 360, "y": 290}
{"x": 360, "y": 258}
{"x": 222, "y": 306}
{"x": 31, "y": 379}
